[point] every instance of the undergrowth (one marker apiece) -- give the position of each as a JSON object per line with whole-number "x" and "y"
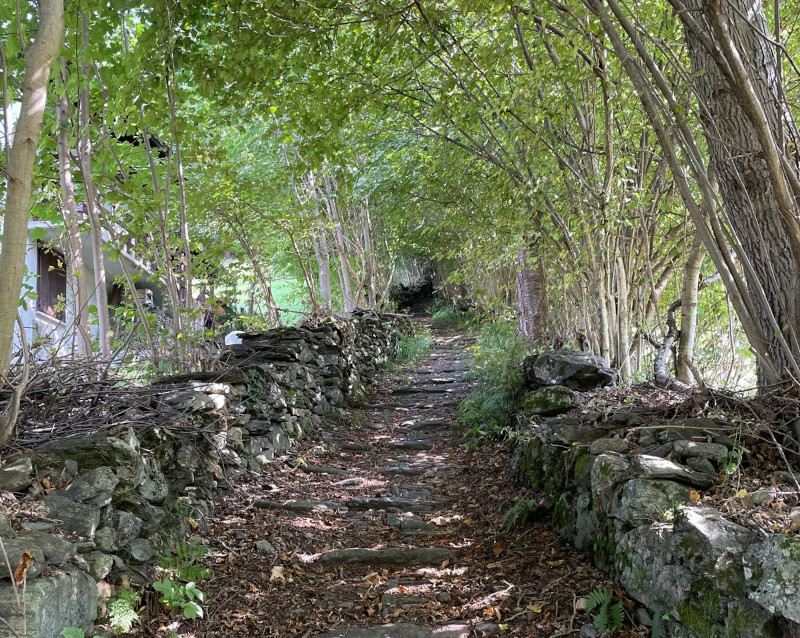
{"x": 413, "y": 348}
{"x": 488, "y": 413}
{"x": 443, "y": 312}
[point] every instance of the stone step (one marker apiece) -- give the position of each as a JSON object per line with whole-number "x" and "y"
{"x": 388, "y": 556}
{"x": 397, "y": 503}
{"x": 356, "y": 447}
{"x": 413, "y": 444}
{"x": 401, "y": 470}
{"x": 405, "y": 630}
{"x": 301, "y": 506}
{"x": 309, "y": 468}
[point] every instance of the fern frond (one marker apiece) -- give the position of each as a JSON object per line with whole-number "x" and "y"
{"x": 597, "y": 599}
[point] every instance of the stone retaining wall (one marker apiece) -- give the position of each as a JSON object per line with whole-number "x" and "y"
{"x": 629, "y": 506}
{"x": 122, "y": 497}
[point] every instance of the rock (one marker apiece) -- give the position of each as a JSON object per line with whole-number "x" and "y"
{"x": 646, "y": 501}
{"x": 140, "y": 550}
{"x": 265, "y": 547}
{"x": 95, "y": 450}
{"x": 388, "y": 503}
{"x": 56, "y": 550}
{"x": 20, "y": 463}
{"x": 772, "y": 573}
{"x": 551, "y": 400}
{"x": 401, "y": 470}
{"x": 14, "y": 481}
{"x": 100, "y": 564}
{"x": 698, "y": 449}
{"x": 415, "y": 444}
{"x": 154, "y": 486}
{"x": 601, "y": 446}
{"x": 6, "y": 531}
{"x": 300, "y": 506}
{"x": 126, "y": 526}
{"x": 568, "y": 431}
{"x": 608, "y": 472}
{"x": 701, "y": 465}
{"x": 95, "y": 487}
{"x": 588, "y": 630}
{"x": 573, "y": 369}
{"x": 14, "y": 550}
{"x": 654, "y": 467}
{"x": 75, "y": 517}
{"x": 403, "y": 630}
{"x": 235, "y": 440}
{"x": 356, "y": 447}
{"x": 65, "y": 599}
{"x": 38, "y": 526}
{"x": 389, "y": 556}
{"x": 106, "y": 540}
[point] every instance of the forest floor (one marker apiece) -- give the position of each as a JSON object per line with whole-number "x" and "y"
{"x": 388, "y": 518}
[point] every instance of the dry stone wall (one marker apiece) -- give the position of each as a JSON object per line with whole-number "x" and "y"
{"x": 619, "y": 487}
{"x": 120, "y": 498}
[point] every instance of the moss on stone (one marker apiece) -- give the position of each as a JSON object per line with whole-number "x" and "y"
{"x": 605, "y": 545}
{"x": 582, "y": 472}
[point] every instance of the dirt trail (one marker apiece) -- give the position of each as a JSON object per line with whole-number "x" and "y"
{"x": 388, "y": 519}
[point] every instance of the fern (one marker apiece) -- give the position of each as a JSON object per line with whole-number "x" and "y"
{"x": 608, "y": 616}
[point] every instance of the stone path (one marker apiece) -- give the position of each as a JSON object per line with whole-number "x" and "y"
{"x": 388, "y": 528}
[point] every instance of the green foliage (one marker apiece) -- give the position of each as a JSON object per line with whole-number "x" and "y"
{"x": 607, "y": 616}
{"x": 488, "y": 413}
{"x": 518, "y": 513}
{"x": 72, "y": 632}
{"x": 186, "y": 598}
{"x": 186, "y": 563}
{"x": 412, "y": 349}
{"x": 122, "y": 611}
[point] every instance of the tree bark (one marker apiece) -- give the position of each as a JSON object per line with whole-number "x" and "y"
{"x": 735, "y": 73}
{"x": 686, "y": 338}
{"x": 531, "y": 296}
{"x": 81, "y": 335}
{"x": 39, "y": 57}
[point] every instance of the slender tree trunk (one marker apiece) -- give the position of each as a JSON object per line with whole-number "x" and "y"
{"x": 81, "y": 334}
{"x": 623, "y": 327}
{"x": 85, "y": 155}
{"x": 339, "y": 242}
{"x": 320, "y": 246}
{"x": 689, "y": 297}
{"x": 371, "y": 264}
{"x": 39, "y": 58}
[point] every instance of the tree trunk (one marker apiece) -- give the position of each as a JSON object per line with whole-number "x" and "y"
{"x": 85, "y": 156}
{"x": 735, "y": 75}
{"x": 531, "y": 296}
{"x": 81, "y": 335}
{"x": 691, "y": 278}
{"x": 39, "y": 58}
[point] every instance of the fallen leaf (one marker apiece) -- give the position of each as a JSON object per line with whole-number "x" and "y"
{"x": 25, "y": 561}
{"x": 499, "y": 548}
{"x": 536, "y": 609}
{"x": 444, "y": 564}
{"x": 694, "y": 496}
{"x": 277, "y": 575}
{"x": 741, "y": 493}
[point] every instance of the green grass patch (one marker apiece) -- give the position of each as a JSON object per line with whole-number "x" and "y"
{"x": 412, "y": 349}
{"x": 489, "y": 412}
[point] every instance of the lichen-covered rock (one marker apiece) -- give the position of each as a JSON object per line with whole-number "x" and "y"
{"x": 551, "y": 400}
{"x": 65, "y": 599}
{"x": 154, "y": 486}
{"x": 646, "y": 500}
{"x": 14, "y": 549}
{"x": 14, "y": 481}
{"x": 56, "y": 550}
{"x": 700, "y": 449}
{"x": 140, "y": 550}
{"x": 573, "y": 369}
{"x": 79, "y": 518}
{"x": 95, "y": 487}
{"x": 95, "y": 450}
{"x": 608, "y": 472}
{"x": 654, "y": 467}
{"x": 772, "y": 570}
{"x": 601, "y": 446}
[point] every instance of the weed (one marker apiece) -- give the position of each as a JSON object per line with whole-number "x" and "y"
{"x": 608, "y": 616}
{"x": 72, "y": 632}
{"x": 488, "y": 413}
{"x": 518, "y": 513}
{"x": 122, "y": 611}
{"x": 412, "y": 349}
{"x": 185, "y": 563}
{"x": 186, "y": 597}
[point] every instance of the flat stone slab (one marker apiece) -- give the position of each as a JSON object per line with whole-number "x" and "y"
{"x": 431, "y": 424}
{"x": 415, "y": 444}
{"x": 388, "y": 556}
{"x": 401, "y": 470}
{"x": 356, "y": 447}
{"x": 389, "y": 502}
{"x": 300, "y": 506}
{"x": 404, "y": 630}
{"x": 321, "y": 469}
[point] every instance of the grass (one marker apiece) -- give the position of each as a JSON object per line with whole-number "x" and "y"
{"x": 412, "y": 348}
{"x": 489, "y": 412}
